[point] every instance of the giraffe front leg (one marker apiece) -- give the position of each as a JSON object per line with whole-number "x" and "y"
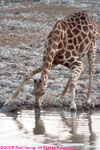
{"x": 77, "y": 69}
{"x": 65, "y": 90}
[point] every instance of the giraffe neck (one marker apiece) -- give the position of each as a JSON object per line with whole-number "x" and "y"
{"x": 47, "y": 62}
{"x": 46, "y": 68}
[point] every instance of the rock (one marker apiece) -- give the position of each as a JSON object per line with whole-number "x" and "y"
{"x": 54, "y": 74}
{"x": 56, "y": 86}
{"x": 83, "y": 5}
{"x": 79, "y": 104}
{"x": 26, "y": 88}
{"x": 50, "y": 82}
{"x": 97, "y": 68}
{"x": 82, "y": 97}
{"x": 58, "y": 80}
{"x": 5, "y": 54}
{"x": 5, "y": 83}
{"x": 83, "y": 83}
{"x": 94, "y": 15}
{"x": 2, "y": 65}
{"x": 79, "y": 89}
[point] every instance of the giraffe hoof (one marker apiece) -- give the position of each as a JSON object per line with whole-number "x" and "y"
{"x": 73, "y": 107}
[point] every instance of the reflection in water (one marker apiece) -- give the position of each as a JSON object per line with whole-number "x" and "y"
{"x": 92, "y": 137}
{"x": 39, "y": 126}
{"x": 73, "y": 124}
{"x": 52, "y": 128}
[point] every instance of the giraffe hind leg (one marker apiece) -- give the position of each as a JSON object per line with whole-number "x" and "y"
{"x": 91, "y": 60}
{"x": 65, "y": 90}
{"x": 76, "y": 72}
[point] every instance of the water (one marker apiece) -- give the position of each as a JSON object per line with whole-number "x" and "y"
{"x": 49, "y": 1}
{"x": 50, "y": 128}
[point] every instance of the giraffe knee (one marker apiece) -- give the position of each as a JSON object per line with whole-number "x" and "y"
{"x": 73, "y": 85}
{"x": 94, "y": 70}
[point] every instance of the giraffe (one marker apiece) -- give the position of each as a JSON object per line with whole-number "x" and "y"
{"x": 70, "y": 39}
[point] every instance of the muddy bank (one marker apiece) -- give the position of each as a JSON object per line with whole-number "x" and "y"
{"x": 24, "y": 27}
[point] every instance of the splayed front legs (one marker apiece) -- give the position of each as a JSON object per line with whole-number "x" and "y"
{"x": 10, "y": 101}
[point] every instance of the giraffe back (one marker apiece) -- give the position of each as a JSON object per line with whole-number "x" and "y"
{"x": 70, "y": 37}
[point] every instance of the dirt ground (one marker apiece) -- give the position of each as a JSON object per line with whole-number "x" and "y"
{"x": 24, "y": 27}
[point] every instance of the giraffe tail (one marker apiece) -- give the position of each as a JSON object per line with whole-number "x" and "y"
{"x": 28, "y": 77}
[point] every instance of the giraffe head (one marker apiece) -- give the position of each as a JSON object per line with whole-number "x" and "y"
{"x": 38, "y": 91}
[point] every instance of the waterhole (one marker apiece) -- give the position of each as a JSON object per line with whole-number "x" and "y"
{"x": 50, "y": 128}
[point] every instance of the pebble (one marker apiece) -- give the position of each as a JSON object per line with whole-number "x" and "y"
{"x": 5, "y": 54}
{"x": 54, "y": 74}
{"x": 2, "y": 65}
{"x": 83, "y": 83}
{"x": 49, "y": 83}
{"x": 26, "y": 88}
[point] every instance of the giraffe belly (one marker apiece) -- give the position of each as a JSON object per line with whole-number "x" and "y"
{"x": 62, "y": 59}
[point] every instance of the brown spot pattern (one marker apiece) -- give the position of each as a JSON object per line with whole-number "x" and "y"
{"x": 54, "y": 46}
{"x": 67, "y": 54}
{"x": 71, "y": 59}
{"x": 60, "y": 57}
{"x": 66, "y": 64}
{"x": 52, "y": 54}
{"x": 85, "y": 28}
{"x": 56, "y": 32}
{"x": 75, "y": 41}
{"x": 63, "y": 26}
{"x": 70, "y": 47}
{"x": 91, "y": 27}
{"x": 73, "y": 24}
{"x": 90, "y": 35}
{"x": 74, "y": 53}
{"x": 64, "y": 43}
{"x": 79, "y": 39}
{"x": 81, "y": 48}
{"x": 60, "y": 45}
{"x": 83, "y": 17}
{"x": 79, "y": 27}
{"x": 86, "y": 41}
{"x": 70, "y": 41}
{"x": 70, "y": 35}
{"x": 77, "y": 20}
{"x": 49, "y": 59}
{"x": 47, "y": 65}
{"x": 75, "y": 31}
{"x": 83, "y": 35}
